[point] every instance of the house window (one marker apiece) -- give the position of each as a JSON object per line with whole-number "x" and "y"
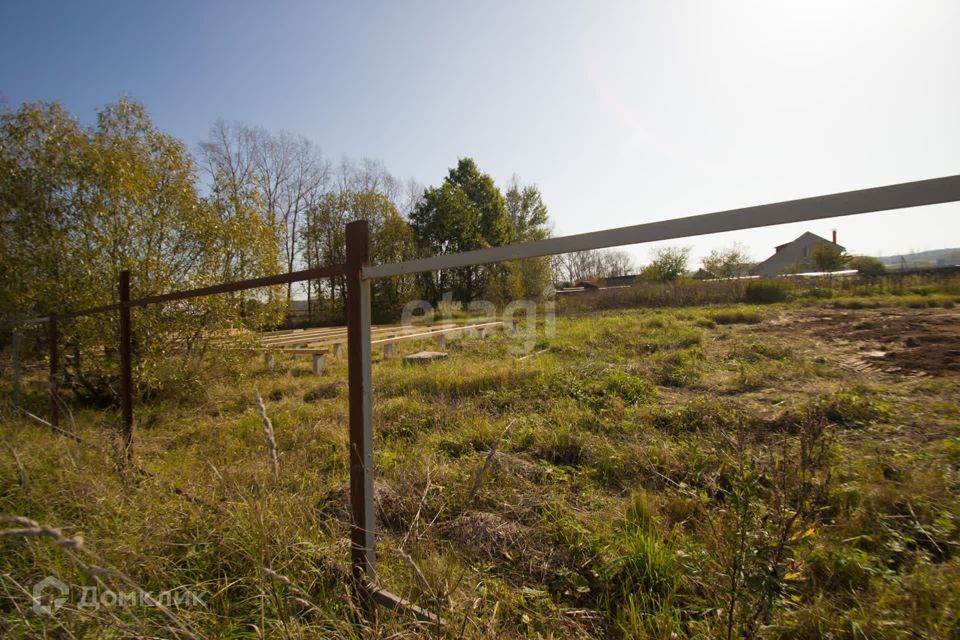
{"x": 804, "y": 252}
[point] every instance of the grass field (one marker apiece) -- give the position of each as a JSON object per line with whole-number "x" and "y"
{"x": 781, "y": 471}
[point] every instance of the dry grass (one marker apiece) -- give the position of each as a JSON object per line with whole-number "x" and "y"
{"x": 693, "y": 472}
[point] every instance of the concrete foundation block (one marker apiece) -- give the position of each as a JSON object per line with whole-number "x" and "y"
{"x": 424, "y": 357}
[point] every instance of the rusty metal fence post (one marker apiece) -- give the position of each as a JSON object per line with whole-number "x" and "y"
{"x": 15, "y": 348}
{"x": 52, "y": 338}
{"x": 126, "y": 366}
{"x": 362, "y": 532}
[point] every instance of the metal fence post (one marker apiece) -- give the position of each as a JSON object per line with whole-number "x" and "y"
{"x": 52, "y": 338}
{"x": 126, "y": 367}
{"x": 362, "y": 533}
{"x": 16, "y": 341}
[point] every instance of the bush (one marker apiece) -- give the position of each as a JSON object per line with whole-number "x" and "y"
{"x": 867, "y": 266}
{"x": 766, "y": 292}
{"x": 736, "y": 316}
{"x": 850, "y": 409}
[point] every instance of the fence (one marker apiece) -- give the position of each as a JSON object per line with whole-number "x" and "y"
{"x": 359, "y": 275}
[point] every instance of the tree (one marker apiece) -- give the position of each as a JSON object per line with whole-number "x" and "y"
{"x": 867, "y": 266}
{"x": 829, "y": 257}
{"x": 529, "y": 221}
{"x": 466, "y": 212}
{"x": 617, "y": 263}
{"x": 668, "y": 264}
{"x": 391, "y": 240}
{"x": 591, "y": 265}
{"x": 526, "y": 212}
{"x": 81, "y": 204}
{"x": 730, "y": 262}
{"x": 281, "y": 175}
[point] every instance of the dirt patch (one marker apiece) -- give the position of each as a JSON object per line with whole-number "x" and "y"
{"x": 913, "y": 342}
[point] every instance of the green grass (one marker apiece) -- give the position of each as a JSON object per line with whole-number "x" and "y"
{"x": 681, "y": 473}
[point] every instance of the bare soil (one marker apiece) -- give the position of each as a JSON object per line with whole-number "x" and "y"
{"x": 916, "y": 342}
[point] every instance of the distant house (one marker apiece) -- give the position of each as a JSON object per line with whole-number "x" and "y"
{"x": 796, "y": 254}
{"x": 620, "y": 281}
{"x": 703, "y": 274}
{"x": 586, "y": 285}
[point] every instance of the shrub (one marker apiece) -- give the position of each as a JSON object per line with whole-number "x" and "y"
{"x": 736, "y": 316}
{"x": 867, "y": 266}
{"x": 766, "y": 292}
{"x": 679, "y": 368}
{"x": 850, "y": 409}
{"x": 818, "y": 293}
{"x": 839, "y": 570}
{"x": 697, "y": 416}
{"x": 631, "y": 388}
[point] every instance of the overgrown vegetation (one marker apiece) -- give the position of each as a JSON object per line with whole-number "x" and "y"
{"x": 672, "y": 473}
{"x": 917, "y": 291}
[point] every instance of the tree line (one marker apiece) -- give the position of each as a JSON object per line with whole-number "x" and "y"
{"x": 79, "y": 203}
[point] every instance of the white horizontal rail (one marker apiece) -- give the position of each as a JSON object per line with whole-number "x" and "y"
{"x": 897, "y": 196}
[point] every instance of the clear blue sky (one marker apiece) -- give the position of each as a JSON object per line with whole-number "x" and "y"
{"x": 621, "y": 112}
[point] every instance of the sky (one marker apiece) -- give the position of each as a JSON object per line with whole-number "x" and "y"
{"x": 620, "y": 112}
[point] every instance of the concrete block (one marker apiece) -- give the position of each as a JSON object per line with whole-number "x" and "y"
{"x": 318, "y": 363}
{"x": 268, "y": 361}
{"x": 424, "y": 357}
{"x": 389, "y": 350}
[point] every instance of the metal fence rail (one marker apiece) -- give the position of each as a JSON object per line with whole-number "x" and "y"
{"x": 847, "y": 203}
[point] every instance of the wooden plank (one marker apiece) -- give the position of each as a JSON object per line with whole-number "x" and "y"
{"x": 397, "y": 338}
{"x": 427, "y": 334}
{"x": 387, "y": 334}
{"x": 340, "y": 336}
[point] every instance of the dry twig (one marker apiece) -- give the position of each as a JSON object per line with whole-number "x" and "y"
{"x": 268, "y": 432}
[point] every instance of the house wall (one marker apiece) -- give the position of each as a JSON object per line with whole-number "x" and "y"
{"x": 799, "y": 251}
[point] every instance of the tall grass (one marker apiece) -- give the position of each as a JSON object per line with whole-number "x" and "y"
{"x": 668, "y": 473}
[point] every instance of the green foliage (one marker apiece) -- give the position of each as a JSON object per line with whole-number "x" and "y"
{"x": 867, "y": 266}
{"x": 391, "y": 241}
{"x": 81, "y": 204}
{"x": 850, "y": 409}
{"x": 829, "y": 257}
{"x": 466, "y": 212}
{"x": 528, "y": 219}
{"x": 731, "y": 262}
{"x": 668, "y": 264}
{"x": 766, "y": 292}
